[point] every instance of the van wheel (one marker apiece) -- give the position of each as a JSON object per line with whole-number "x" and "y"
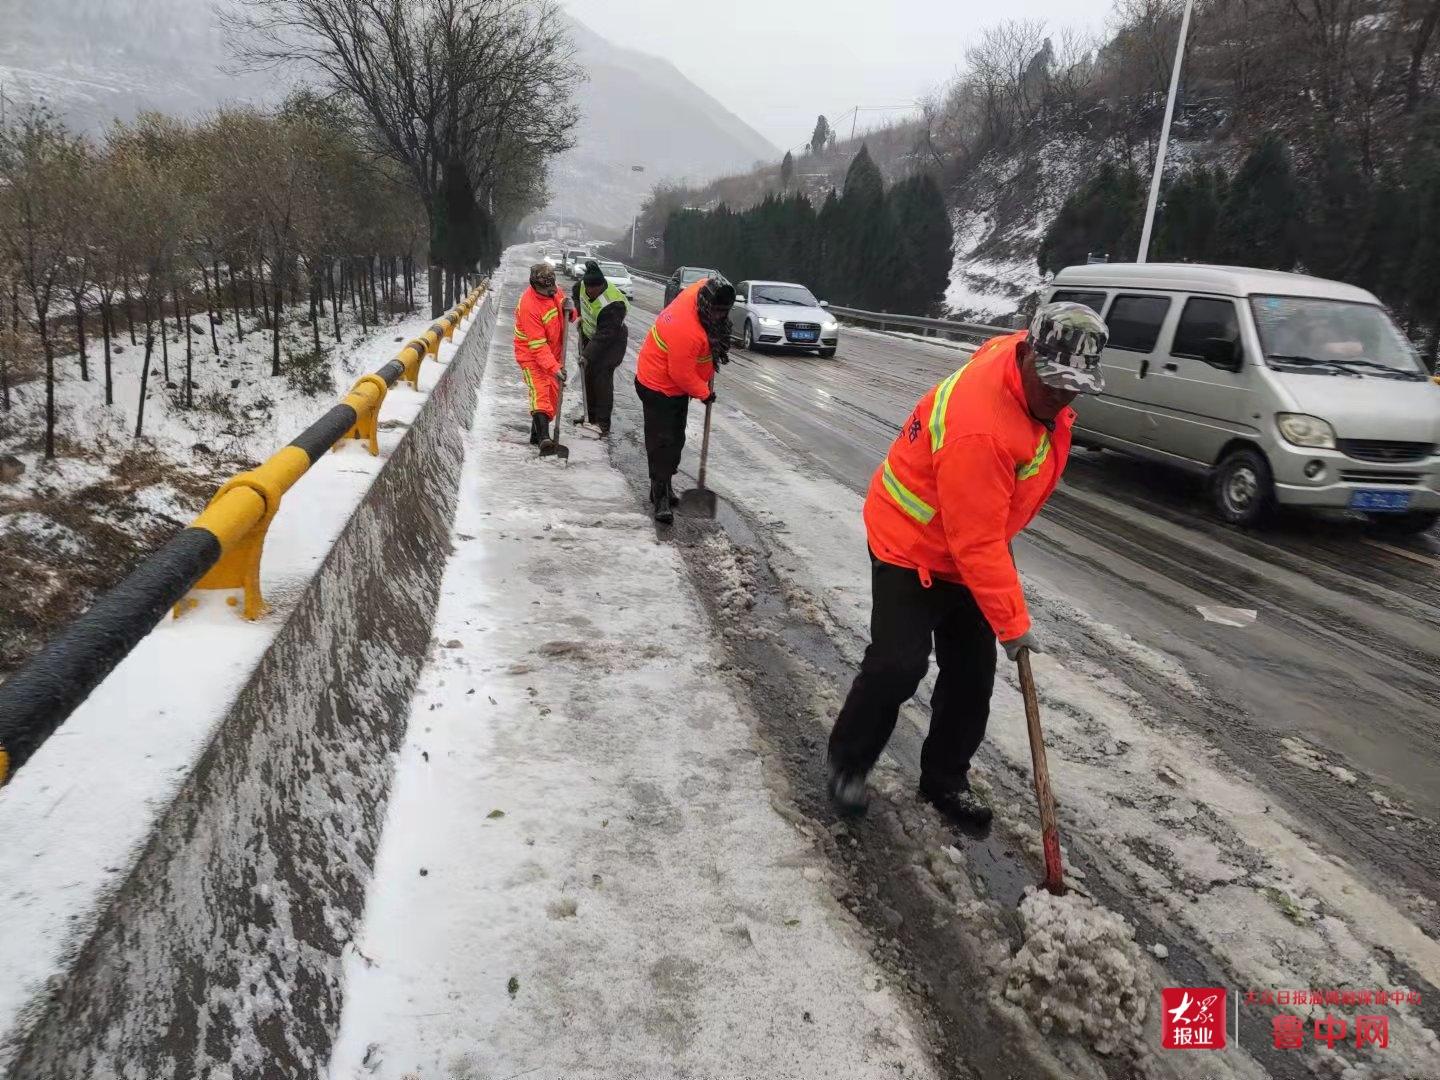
{"x": 1410, "y": 524}
{"x": 748, "y": 342}
{"x": 1244, "y": 488}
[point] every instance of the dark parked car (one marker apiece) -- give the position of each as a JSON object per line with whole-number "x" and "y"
{"x": 685, "y": 276}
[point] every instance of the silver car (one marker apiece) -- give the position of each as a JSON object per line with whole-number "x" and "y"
{"x": 616, "y": 274}
{"x": 782, "y": 315}
{"x": 1281, "y": 388}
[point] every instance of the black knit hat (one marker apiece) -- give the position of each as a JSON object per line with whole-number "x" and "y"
{"x": 593, "y": 276}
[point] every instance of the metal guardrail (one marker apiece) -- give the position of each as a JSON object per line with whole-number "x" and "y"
{"x": 889, "y": 320}
{"x": 886, "y": 320}
{"x": 220, "y": 549}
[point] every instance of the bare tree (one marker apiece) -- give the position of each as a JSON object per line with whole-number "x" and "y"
{"x": 458, "y": 92}
{"x": 42, "y": 164}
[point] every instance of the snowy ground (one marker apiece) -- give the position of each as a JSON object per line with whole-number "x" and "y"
{"x": 72, "y": 526}
{"x": 584, "y": 872}
{"x": 71, "y": 822}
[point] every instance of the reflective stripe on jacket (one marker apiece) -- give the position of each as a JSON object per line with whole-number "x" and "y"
{"x": 970, "y": 469}
{"x": 590, "y": 309}
{"x": 675, "y": 357}
{"x": 539, "y": 323}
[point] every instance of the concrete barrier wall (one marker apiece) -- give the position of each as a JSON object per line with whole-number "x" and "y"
{"x": 221, "y": 951}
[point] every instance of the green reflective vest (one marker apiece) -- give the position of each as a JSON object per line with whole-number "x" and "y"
{"x": 590, "y": 309}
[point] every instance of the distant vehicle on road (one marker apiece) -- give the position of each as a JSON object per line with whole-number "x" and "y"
{"x": 1281, "y": 388}
{"x": 555, "y": 258}
{"x": 684, "y": 277}
{"x": 782, "y": 315}
{"x": 616, "y": 274}
{"x": 575, "y": 261}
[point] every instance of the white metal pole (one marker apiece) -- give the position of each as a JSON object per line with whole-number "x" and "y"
{"x": 1164, "y": 135}
{"x": 635, "y": 228}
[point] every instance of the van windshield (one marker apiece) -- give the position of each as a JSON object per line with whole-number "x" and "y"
{"x": 1333, "y": 337}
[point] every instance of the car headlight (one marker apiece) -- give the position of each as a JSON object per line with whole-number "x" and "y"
{"x": 1302, "y": 430}
{"x": 769, "y": 324}
{"x": 830, "y": 327}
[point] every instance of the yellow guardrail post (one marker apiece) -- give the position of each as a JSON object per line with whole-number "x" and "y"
{"x": 232, "y": 517}
{"x": 366, "y": 397}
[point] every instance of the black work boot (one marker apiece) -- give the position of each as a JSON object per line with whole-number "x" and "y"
{"x": 670, "y": 494}
{"x": 955, "y": 800}
{"x": 660, "y": 502}
{"x": 847, "y": 791}
{"x": 539, "y": 428}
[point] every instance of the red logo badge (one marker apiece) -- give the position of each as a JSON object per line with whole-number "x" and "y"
{"x": 1193, "y": 1018}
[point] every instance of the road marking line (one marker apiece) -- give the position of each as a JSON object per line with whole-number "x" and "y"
{"x": 1414, "y": 556}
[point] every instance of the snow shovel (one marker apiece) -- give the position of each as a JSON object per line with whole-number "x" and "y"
{"x": 699, "y": 501}
{"x": 552, "y": 447}
{"x": 1049, "y": 832}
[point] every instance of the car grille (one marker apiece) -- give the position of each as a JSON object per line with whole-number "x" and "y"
{"x": 1381, "y": 450}
{"x": 813, "y": 328}
{"x": 1402, "y": 478}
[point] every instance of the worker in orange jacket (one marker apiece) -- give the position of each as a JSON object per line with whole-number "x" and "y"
{"x": 972, "y": 466}
{"x": 677, "y": 363}
{"x": 539, "y": 349}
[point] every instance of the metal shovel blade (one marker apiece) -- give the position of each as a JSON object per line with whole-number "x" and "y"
{"x": 555, "y": 449}
{"x": 697, "y": 502}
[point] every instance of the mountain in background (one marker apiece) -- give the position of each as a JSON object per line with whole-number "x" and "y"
{"x": 638, "y": 109}
{"x": 92, "y": 61}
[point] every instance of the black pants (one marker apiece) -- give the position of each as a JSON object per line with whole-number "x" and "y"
{"x": 665, "y": 418}
{"x": 599, "y": 374}
{"x": 904, "y": 618}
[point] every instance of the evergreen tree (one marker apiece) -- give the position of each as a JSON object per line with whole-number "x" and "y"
{"x": 868, "y": 245}
{"x": 787, "y": 171}
{"x": 1188, "y": 222}
{"x": 1102, "y": 217}
{"x": 820, "y": 136}
{"x": 1339, "y": 202}
{"x": 926, "y": 238}
{"x": 1263, "y": 209}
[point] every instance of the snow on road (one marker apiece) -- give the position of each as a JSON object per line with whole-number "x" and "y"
{"x": 584, "y": 870}
{"x": 1199, "y": 846}
{"x": 71, "y": 822}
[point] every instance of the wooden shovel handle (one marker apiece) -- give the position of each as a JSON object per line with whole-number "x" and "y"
{"x": 1049, "y": 830}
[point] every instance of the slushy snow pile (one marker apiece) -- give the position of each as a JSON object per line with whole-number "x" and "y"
{"x": 1080, "y": 971}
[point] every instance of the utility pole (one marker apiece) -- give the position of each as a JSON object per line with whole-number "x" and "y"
{"x": 853, "y": 117}
{"x": 1164, "y": 136}
{"x": 634, "y": 231}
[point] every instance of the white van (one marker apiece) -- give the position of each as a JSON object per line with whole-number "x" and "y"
{"x": 1281, "y": 387}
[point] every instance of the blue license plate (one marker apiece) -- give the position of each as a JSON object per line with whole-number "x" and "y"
{"x": 1380, "y": 502}
{"x": 803, "y": 335}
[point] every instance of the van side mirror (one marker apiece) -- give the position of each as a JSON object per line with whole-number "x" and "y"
{"x": 824, "y": 303}
{"x": 1224, "y": 353}
{"x": 739, "y": 298}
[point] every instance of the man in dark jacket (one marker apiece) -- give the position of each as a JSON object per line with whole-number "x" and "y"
{"x": 603, "y": 337}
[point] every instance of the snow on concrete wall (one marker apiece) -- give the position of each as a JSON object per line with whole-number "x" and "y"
{"x": 220, "y": 953}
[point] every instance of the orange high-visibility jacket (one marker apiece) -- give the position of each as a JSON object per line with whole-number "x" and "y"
{"x": 675, "y": 358}
{"x": 970, "y": 469}
{"x": 539, "y": 321}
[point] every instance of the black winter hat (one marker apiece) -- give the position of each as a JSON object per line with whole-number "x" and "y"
{"x": 593, "y": 276}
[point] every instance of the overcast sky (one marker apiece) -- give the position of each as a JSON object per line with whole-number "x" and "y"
{"x": 777, "y": 64}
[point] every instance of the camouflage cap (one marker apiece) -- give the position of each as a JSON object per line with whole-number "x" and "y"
{"x": 1068, "y": 340}
{"x": 542, "y": 276}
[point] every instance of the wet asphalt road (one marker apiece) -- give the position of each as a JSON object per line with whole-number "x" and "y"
{"x": 1344, "y": 653}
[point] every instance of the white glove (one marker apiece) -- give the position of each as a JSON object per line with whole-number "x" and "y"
{"x": 1026, "y": 640}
